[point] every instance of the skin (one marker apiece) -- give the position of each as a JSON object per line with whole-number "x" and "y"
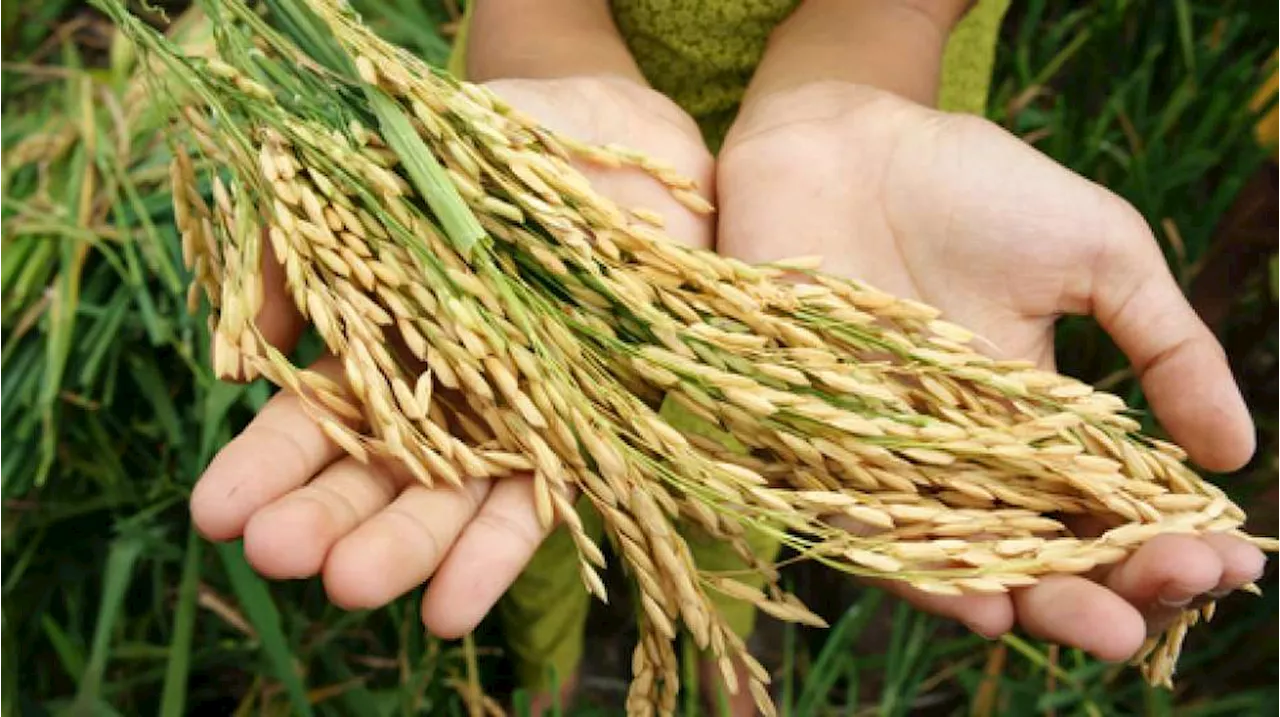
{"x": 830, "y": 156}
{"x": 957, "y": 213}
{"x": 372, "y": 532}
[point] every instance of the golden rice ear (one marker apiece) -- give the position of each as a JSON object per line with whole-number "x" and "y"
{"x": 567, "y": 341}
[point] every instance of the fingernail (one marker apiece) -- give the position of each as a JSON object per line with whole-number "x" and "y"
{"x": 1175, "y": 598}
{"x": 1220, "y": 593}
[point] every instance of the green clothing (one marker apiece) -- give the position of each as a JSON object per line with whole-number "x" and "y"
{"x": 701, "y": 55}
{"x": 544, "y": 613}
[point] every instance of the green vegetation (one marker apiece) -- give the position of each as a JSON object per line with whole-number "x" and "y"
{"x": 112, "y": 605}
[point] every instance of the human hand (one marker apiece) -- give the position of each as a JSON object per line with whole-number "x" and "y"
{"x": 956, "y": 212}
{"x": 304, "y": 508}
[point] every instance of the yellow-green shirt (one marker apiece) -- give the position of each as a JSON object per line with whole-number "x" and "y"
{"x": 702, "y": 54}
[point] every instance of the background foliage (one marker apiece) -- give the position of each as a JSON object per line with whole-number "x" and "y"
{"x": 112, "y": 604}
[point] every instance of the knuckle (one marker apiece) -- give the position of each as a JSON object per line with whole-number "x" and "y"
{"x": 286, "y": 454}
{"x": 1126, "y": 222}
{"x": 521, "y": 532}
{"x": 435, "y": 543}
{"x": 1121, "y": 243}
{"x": 968, "y": 127}
{"x": 336, "y": 503}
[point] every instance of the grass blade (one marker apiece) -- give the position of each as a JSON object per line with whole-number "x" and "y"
{"x": 1186, "y": 39}
{"x": 357, "y": 698}
{"x": 218, "y": 400}
{"x": 174, "y": 693}
{"x": 789, "y": 669}
{"x": 837, "y": 648}
{"x": 261, "y": 611}
{"x": 8, "y": 670}
{"x": 304, "y": 28}
{"x": 1038, "y": 659}
{"x": 120, "y": 560}
{"x": 69, "y": 653}
{"x": 151, "y": 384}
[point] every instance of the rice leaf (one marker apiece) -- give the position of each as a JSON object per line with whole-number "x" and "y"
{"x": 401, "y": 21}
{"x": 826, "y": 669}
{"x": 150, "y": 381}
{"x": 303, "y": 27}
{"x": 69, "y": 654}
{"x": 99, "y": 340}
{"x": 218, "y": 400}
{"x": 1039, "y": 659}
{"x": 123, "y": 554}
{"x": 1186, "y": 40}
{"x": 174, "y": 693}
{"x": 429, "y": 178}
{"x": 15, "y": 569}
{"x": 8, "y": 670}
{"x": 357, "y": 698}
{"x": 260, "y": 609}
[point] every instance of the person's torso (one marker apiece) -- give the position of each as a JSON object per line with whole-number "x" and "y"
{"x": 700, "y": 54}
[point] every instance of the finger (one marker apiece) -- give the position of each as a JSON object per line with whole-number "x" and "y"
{"x": 600, "y": 112}
{"x": 1241, "y": 562}
{"x": 281, "y": 449}
{"x": 399, "y": 548}
{"x": 987, "y": 615}
{"x": 487, "y": 558}
{"x": 1184, "y": 370}
{"x": 278, "y": 320}
{"x": 291, "y": 537}
{"x": 1070, "y": 610}
{"x": 634, "y": 189}
{"x": 1164, "y": 575}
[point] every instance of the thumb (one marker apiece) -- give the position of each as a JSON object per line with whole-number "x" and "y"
{"x": 278, "y": 320}
{"x": 614, "y": 110}
{"x": 1183, "y": 368}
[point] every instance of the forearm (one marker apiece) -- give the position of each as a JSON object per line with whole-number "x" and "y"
{"x": 893, "y": 45}
{"x": 545, "y": 39}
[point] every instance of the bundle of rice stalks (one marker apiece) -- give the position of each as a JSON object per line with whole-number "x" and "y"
{"x": 495, "y": 316}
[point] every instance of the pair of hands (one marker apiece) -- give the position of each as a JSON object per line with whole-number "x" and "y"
{"x": 943, "y": 208}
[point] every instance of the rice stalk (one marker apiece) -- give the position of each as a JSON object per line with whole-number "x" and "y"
{"x": 495, "y": 316}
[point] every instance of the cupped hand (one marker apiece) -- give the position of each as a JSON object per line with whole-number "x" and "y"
{"x": 954, "y": 211}
{"x": 304, "y": 508}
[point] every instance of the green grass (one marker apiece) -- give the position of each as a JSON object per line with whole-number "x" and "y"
{"x": 112, "y": 605}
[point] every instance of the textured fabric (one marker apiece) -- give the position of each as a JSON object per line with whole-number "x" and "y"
{"x": 544, "y": 613}
{"x": 970, "y": 58}
{"x": 701, "y": 55}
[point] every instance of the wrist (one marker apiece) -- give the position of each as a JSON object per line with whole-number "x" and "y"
{"x": 894, "y": 45}
{"x": 546, "y": 39}
{"x": 816, "y": 99}
{"x": 945, "y": 14}
{"x": 854, "y": 109}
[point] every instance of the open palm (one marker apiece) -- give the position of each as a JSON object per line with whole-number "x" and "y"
{"x": 958, "y": 213}
{"x": 304, "y": 508}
